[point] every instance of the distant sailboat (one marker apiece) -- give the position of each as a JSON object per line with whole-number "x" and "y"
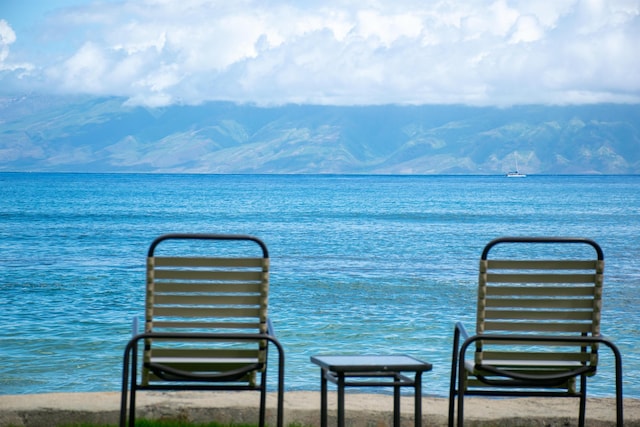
{"x": 516, "y": 173}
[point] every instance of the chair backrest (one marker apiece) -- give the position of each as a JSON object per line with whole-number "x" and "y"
{"x": 206, "y": 283}
{"x": 543, "y": 286}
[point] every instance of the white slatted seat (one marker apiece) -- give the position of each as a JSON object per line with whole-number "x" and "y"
{"x": 206, "y": 322}
{"x": 537, "y": 325}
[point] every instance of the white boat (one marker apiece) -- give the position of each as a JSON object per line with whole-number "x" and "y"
{"x": 516, "y": 173}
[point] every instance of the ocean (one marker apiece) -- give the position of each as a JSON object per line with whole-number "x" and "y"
{"x": 360, "y": 264}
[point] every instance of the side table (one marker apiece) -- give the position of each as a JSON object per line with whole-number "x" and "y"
{"x": 371, "y": 371}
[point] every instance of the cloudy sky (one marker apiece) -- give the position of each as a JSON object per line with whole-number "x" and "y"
{"x": 342, "y": 52}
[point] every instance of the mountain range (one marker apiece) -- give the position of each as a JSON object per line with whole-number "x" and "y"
{"x": 90, "y": 134}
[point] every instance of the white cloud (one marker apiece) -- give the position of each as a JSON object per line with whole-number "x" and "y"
{"x": 157, "y": 52}
{"x": 7, "y": 38}
{"x": 86, "y": 69}
{"x": 387, "y": 28}
{"x": 527, "y": 29}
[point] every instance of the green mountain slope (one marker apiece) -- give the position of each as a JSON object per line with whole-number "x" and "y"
{"x": 104, "y": 135}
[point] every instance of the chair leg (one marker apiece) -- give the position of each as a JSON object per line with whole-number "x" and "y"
{"x": 132, "y": 408}
{"x": 452, "y": 404}
{"x": 583, "y": 400}
{"x": 460, "y": 419}
{"x": 132, "y": 415}
{"x": 461, "y": 377}
{"x": 129, "y": 372}
{"x": 124, "y": 397}
{"x": 263, "y": 397}
{"x": 134, "y": 384}
{"x": 454, "y": 376}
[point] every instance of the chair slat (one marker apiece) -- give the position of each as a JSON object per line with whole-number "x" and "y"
{"x": 208, "y": 262}
{"x": 208, "y": 354}
{"x": 218, "y": 287}
{"x": 539, "y": 278}
{"x": 209, "y": 275}
{"x": 504, "y": 358}
{"x": 472, "y": 382}
{"x": 203, "y": 365}
{"x": 541, "y": 303}
{"x": 206, "y": 312}
{"x": 193, "y": 325}
{"x": 531, "y": 344}
{"x": 208, "y": 300}
{"x": 498, "y": 264}
{"x": 206, "y": 368}
{"x": 562, "y": 327}
{"x": 543, "y": 315}
{"x": 556, "y": 291}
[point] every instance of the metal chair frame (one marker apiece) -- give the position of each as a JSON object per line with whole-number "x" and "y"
{"x": 526, "y": 385}
{"x": 130, "y": 373}
{"x": 176, "y": 379}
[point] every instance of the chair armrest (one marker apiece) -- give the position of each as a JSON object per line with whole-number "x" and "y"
{"x": 461, "y": 330}
{"x": 573, "y": 339}
{"x": 460, "y": 336}
{"x": 270, "y": 330}
{"x": 135, "y": 326}
{"x": 578, "y": 340}
{"x": 129, "y": 365}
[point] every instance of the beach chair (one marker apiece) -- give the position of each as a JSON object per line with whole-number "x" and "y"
{"x": 538, "y": 324}
{"x": 206, "y": 324}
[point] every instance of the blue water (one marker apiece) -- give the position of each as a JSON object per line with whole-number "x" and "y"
{"x": 359, "y": 263}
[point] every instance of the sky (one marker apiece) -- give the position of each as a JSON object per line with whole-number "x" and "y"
{"x": 157, "y": 53}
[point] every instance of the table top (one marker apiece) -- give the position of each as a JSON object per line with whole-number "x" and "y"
{"x": 371, "y": 363}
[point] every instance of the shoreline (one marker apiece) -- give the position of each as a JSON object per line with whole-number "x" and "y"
{"x": 303, "y": 408}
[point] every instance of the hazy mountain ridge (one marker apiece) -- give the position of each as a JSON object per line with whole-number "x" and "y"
{"x": 104, "y": 135}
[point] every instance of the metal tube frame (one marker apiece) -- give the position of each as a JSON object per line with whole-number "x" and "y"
{"x": 399, "y": 380}
{"x": 458, "y": 368}
{"x": 130, "y": 371}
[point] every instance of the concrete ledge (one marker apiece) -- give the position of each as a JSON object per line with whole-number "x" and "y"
{"x": 363, "y": 410}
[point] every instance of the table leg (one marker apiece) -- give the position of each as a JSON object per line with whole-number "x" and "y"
{"x": 323, "y": 397}
{"x": 396, "y": 402}
{"x": 418, "y": 397}
{"x": 341, "y": 399}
